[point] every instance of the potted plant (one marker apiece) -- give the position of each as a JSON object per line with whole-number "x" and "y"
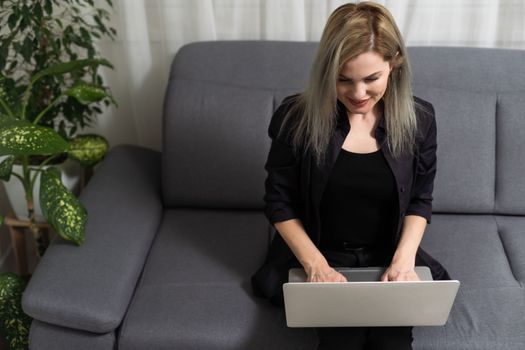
{"x": 47, "y": 95}
{"x": 38, "y": 35}
{"x": 20, "y": 139}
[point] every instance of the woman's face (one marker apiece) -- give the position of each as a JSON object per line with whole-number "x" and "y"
{"x": 362, "y": 82}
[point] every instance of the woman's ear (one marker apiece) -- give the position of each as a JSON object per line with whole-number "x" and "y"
{"x": 393, "y": 62}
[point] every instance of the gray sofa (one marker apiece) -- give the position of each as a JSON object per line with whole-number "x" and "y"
{"x": 173, "y": 237}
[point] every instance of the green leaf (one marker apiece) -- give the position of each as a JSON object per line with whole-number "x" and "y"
{"x": 59, "y": 22}
{"x": 62, "y": 210}
{"x": 88, "y": 149}
{"x": 71, "y": 66}
{"x": 27, "y": 49}
{"x": 14, "y": 323}
{"x": 6, "y": 168}
{"x": 37, "y": 11}
{"x": 12, "y": 20}
{"x": 86, "y": 93}
{"x": 48, "y": 7}
{"x": 20, "y": 138}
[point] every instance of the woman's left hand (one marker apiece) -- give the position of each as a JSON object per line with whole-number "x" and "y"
{"x": 400, "y": 272}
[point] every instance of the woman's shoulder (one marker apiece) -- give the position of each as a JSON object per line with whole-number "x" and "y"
{"x": 279, "y": 115}
{"x": 424, "y": 109}
{"x": 425, "y": 115}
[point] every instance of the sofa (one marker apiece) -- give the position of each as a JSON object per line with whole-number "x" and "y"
{"x": 174, "y": 236}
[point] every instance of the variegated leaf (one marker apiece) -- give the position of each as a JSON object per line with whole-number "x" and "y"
{"x": 88, "y": 149}
{"x": 62, "y": 210}
{"x": 14, "y": 324}
{"x": 85, "y": 93}
{"x": 20, "y": 138}
{"x": 6, "y": 168}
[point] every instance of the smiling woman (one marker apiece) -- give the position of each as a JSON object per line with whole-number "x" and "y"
{"x": 369, "y": 205}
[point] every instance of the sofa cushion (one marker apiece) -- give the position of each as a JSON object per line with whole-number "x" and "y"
{"x": 510, "y": 187}
{"x": 45, "y": 336}
{"x": 207, "y": 315}
{"x": 195, "y": 246}
{"x": 228, "y": 140}
{"x": 466, "y": 146}
{"x": 485, "y": 253}
{"x": 195, "y": 290}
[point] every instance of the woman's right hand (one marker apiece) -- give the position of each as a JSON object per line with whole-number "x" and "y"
{"x": 324, "y": 273}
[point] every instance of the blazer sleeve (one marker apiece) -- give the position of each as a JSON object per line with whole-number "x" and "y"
{"x": 282, "y": 197}
{"x": 425, "y": 172}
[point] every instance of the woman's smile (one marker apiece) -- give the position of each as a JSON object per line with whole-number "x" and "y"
{"x": 360, "y": 103}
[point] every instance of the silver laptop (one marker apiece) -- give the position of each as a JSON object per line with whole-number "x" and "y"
{"x": 365, "y": 301}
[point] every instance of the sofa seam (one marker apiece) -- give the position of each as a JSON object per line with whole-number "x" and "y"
{"x": 496, "y": 148}
{"x": 122, "y": 329}
{"x": 243, "y": 87}
{"x": 505, "y": 251}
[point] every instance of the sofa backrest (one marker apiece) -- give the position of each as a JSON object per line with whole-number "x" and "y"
{"x": 221, "y": 96}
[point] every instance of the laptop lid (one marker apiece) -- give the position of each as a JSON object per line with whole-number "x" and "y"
{"x": 366, "y": 301}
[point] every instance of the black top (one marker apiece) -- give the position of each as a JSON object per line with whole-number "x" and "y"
{"x": 358, "y": 202}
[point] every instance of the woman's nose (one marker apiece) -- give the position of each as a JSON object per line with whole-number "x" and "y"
{"x": 359, "y": 91}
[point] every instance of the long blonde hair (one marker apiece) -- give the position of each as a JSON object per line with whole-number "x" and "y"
{"x": 353, "y": 29}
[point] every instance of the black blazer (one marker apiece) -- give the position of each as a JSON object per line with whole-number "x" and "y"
{"x": 295, "y": 184}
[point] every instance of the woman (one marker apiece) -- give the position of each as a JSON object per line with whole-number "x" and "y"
{"x": 351, "y": 169}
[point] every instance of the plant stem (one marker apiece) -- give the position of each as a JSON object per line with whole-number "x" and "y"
{"x": 41, "y": 245}
{"x": 19, "y": 177}
{"x": 40, "y": 169}
{"x": 6, "y": 108}
{"x": 47, "y": 109}
{"x": 25, "y": 99}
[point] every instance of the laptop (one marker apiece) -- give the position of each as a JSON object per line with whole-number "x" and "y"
{"x": 365, "y": 301}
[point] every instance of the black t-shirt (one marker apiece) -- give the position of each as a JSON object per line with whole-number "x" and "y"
{"x": 358, "y": 201}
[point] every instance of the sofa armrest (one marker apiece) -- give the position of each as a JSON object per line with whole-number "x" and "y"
{"x": 89, "y": 287}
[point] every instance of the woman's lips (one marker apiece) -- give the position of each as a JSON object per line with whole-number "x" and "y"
{"x": 360, "y": 103}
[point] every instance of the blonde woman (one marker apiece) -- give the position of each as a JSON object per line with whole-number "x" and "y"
{"x": 351, "y": 169}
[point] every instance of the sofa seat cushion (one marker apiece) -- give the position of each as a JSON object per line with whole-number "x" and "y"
{"x": 195, "y": 290}
{"x": 486, "y": 254}
{"x": 205, "y": 246}
{"x": 207, "y": 316}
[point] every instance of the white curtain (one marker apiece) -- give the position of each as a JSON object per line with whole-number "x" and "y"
{"x": 151, "y": 31}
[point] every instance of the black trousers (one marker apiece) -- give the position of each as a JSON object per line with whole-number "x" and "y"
{"x": 369, "y": 338}
{"x": 359, "y": 338}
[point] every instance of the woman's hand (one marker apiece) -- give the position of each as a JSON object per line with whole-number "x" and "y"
{"x": 324, "y": 273}
{"x": 400, "y": 272}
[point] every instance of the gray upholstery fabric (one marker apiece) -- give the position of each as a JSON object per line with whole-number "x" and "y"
{"x": 486, "y": 253}
{"x": 194, "y": 290}
{"x": 468, "y": 68}
{"x": 218, "y": 131}
{"x": 231, "y": 139}
{"x": 211, "y": 315}
{"x": 88, "y": 287}
{"x": 193, "y": 246}
{"x": 44, "y": 336}
{"x": 510, "y": 186}
{"x": 469, "y": 117}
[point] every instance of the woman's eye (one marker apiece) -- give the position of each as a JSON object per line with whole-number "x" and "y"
{"x": 371, "y": 79}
